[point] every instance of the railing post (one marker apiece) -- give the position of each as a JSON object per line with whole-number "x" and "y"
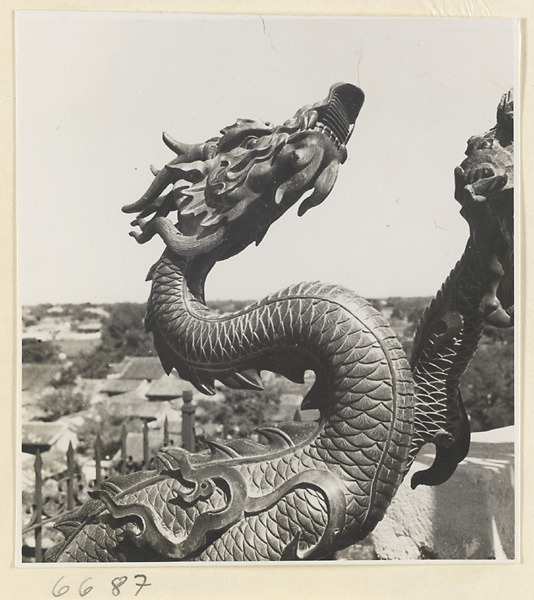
{"x": 166, "y": 432}
{"x": 99, "y": 450}
{"x": 70, "y": 477}
{"x": 188, "y": 417}
{"x": 124, "y": 454}
{"x": 146, "y": 449}
{"x": 38, "y": 499}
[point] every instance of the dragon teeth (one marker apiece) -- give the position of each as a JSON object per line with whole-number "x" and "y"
{"x": 328, "y": 132}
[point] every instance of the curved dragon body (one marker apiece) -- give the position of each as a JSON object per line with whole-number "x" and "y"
{"x": 363, "y": 387}
{"x": 309, "y": 488}
{"x": 451, "y": 327}
{"x": 340, "y": 469}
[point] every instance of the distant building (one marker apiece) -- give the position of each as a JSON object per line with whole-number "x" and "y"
{"x": 89, "y": 328}
{"x": 37, "y": 334}
{"x": 133, "y": 406}
{"x": 161, "y": 386}
{"x": 98, "y": 311}
{"x": 140, "y": 367}
{"x": 168, "y": 387}
{"x": 48, "y": 328}
{"x": 47, "y": 437}
{"x": 115, "y": 387}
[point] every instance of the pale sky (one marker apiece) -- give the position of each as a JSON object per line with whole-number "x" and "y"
{"x": 96, "y": 90}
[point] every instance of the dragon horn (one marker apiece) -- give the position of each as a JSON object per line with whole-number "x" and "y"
{"x": 323, "y": 186}
{"x": 188, "y": 152}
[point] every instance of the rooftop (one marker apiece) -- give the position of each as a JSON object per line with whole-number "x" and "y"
{"x": 119, "y": 386}
{"x": 168, "y": 387}
{"x": 130, "y": 406}
{"x": 89, "y": 327}
{"x": 42, "y": 434}
{"x": 141, "y": 367}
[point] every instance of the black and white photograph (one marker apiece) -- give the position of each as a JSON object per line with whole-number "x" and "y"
{"x": 266, "y": 288}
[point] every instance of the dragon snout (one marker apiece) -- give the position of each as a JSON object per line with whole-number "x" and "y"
{"x": 336, "y": 115}
{"x": 341, "y": 110}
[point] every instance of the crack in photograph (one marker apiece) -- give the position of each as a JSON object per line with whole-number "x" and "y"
{"x": 184, "y": 396}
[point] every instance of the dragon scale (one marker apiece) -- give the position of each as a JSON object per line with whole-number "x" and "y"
{"x": 310, "y": 488}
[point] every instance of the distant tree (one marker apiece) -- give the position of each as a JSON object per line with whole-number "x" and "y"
{"x": 243, "y": 410}
{"x": 499, "y": 335}
{"x": 396, "y": 314}
{"x": 37, "y": 351}
{"x": 29, "y": 321}
{"x": 375, "y": 303}
{"x": 66, "y": 377}
{"x": 411, "y": 307}
{"x": 123, "y": 334}
{"x": 407, "y": 346}
{"x": 39, "y": 311}
{"x": 60, "y": 402}
{"x": 94, "y": 365}
{"x": 107, "y": 426}
{"x": 227, "y": 306}
{"x": 488, "y": 386}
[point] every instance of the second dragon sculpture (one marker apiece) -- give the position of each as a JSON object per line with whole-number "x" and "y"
{"x": 312, "y": 488}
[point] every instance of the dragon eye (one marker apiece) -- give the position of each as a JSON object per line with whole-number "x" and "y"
{"x": 251, "y": 142}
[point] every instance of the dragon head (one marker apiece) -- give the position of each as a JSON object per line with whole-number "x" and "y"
{"x": 228, "y": 190}
{"x": 485, "y": 189}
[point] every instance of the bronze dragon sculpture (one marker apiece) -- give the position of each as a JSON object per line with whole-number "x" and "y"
{"x": 313, "y": 487}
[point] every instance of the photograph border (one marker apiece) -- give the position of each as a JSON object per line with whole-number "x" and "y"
{"x": 199, "y": 589}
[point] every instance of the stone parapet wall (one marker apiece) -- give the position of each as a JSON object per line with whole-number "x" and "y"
{"x": 470, "y": 517}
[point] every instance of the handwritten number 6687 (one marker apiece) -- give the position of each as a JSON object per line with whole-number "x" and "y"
{"x": 84, "y": 589}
